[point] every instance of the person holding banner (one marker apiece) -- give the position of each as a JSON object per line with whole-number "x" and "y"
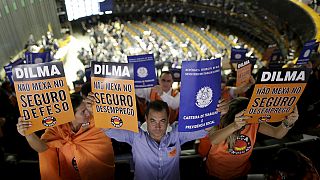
{"x": 163, "y": 92}
{"x": 230, "y": 92}
{"x": 156, "y": 148}
{"x": 234, "y": 139}
{"x": 75, "y": 150}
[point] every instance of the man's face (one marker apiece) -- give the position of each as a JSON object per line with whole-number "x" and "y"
{"x": 157, "y": 122}
{"x": 166, "y": 82}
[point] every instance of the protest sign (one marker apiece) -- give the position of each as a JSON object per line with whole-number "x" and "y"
{"x": 243, "y": 73}
{"x": 275, "y": 94}
{"x": 238, "y": 55}
{"x": 200, "y": 93}
{"x": 306, "y": 52}
{"x": 35, "y": 58}
{"x": 8, "y": 68}
{"x": 43, "y": 95}
{"x": 115, "y": 101}
{"x": 144, "y": 70}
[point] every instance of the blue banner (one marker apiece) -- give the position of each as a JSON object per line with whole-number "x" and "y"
{"x": 106, "y": 5}
{"x": 306, "y": 52}
{"x": 144, "y": 70}
{"x": 88, "y": 73}
{"x": 276, "y": 55}
{"x": 8, "y": 68}
{"x": 176, "y": 73}
{"x": 35, "y": 58}
{"x": 238, "y": 55}
{"x": 200, "y": 93}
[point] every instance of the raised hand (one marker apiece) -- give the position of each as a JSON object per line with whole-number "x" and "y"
{"x": 223, "y": 106}
{"x": 89, "y": 100}
{"x": 23, "y": 125}
{"x": 240, "y": 120}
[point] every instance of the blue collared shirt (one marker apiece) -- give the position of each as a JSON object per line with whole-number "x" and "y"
{"x": 155, "y": 161}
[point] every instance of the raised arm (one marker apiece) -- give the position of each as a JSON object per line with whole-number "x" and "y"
{"x": 34, "y": 141}
{"x": 220, "y": 135}
{"x": 143, "y": 93}
{"x": 281, "y": 130}
{"x": 242, "y": 89}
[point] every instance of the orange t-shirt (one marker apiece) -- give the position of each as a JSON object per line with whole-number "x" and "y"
{"x": 87, "y": 154}
{"x": 227, "y": 164}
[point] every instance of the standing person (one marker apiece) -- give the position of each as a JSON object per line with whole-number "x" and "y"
{"x": 163, "y": 92}
{"x": 156, "y": 147}
{"x": 75, "y": 150}
{"x": 233, "y": 141}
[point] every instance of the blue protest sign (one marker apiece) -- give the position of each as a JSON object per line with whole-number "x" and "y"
{"x": 306, "y": 52}
{"x": 176, "y": 74}
{"x": 35, "y": 58}
{"x": 238, "y": 55}
{"x": 8, "y": 68}
{"x": 144, "y": 70}
{"x": 200, "y": 93}
{"x": 88, "y": 73}
{"x": 276, "y": 55}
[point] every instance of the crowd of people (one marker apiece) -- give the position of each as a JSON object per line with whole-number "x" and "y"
{"x": 79, "y": 150}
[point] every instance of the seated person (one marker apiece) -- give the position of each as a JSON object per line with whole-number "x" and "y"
{"x": 291, "y": 164}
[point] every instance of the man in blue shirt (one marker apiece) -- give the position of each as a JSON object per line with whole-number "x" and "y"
{"x": 156, "y": 148}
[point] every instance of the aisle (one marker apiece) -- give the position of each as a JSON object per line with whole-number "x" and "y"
{"x": 72, "y": 63}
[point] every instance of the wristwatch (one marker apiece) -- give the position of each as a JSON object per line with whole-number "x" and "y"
{"x": 286, "y": 125}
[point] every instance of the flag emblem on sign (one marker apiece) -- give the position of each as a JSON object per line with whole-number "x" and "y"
{"x": 204, "y": 97}
{"x": 142, "y": 72}
{"x": 49, "y": 121}
{"x": 116, "y": 121}
{"x": 264, "y": 118}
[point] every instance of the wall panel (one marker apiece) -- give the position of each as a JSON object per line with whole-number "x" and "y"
{"x": 20, "y": 18}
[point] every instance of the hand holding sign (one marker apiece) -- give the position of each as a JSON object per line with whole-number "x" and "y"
{"x": 291, "y": 119}
{"x": 89, "y": 101}
{"x": 158, "y": 89}
{"x": 23, "y": 126}
{"x": 240, "y": 120}
{"x": 223, "y": 107}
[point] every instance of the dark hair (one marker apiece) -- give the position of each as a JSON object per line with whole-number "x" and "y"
{"x": 85, "y": 88}
{"x": 76, "y": 100}
{"x": 291, "y": 162}
{"x": 236, "y": 105}
{"x": 158, "y": 106}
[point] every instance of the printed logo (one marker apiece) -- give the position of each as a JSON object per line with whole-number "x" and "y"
{"x": 38, "y": 60}
{"x": 49, "y": 121}
{"x": 306, "y": 54}
{"x": 116, "y": 121}
{"x": 74, "y": 164}
{"x": 204, "y": 97}
{"x": 237, "y": 56}
{"x": 241, "y": 146}
{"x": 173, "y": 152}
{"x": 142, "y": 72}
{"x": 264, "y": 118}
{"x": 176, "y": 75}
